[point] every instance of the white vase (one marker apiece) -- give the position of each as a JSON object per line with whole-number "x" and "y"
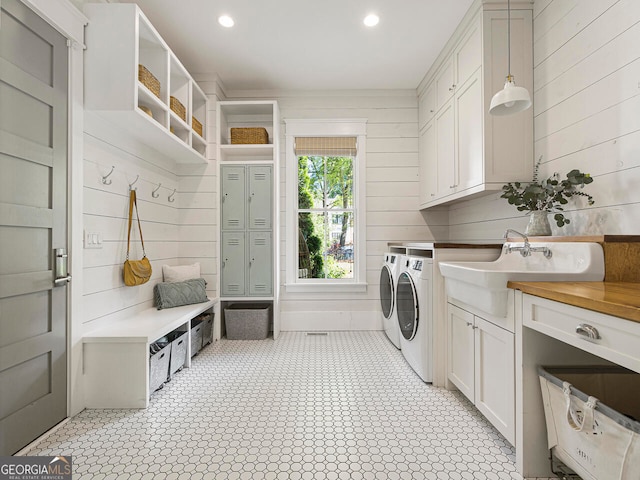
{"x": 538, "y": 225}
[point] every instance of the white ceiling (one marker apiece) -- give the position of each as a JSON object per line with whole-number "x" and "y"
{"x": 307, "y": 45}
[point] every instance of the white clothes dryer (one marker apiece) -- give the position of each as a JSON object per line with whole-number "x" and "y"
{"x": 388, "y": 278}
{"x": 415, "y": 314}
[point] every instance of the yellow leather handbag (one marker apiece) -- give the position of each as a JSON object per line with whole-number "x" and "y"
{"x": 135, "y": 272}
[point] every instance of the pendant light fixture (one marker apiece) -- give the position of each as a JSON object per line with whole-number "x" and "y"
{"x": 511, "y": 99}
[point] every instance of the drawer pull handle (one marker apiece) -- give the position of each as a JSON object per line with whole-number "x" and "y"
{"x": 588, "y": 331}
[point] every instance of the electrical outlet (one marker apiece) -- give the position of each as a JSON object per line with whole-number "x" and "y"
{"x": 92, "y": 240}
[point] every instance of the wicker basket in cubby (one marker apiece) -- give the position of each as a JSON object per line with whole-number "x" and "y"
{"x": 178, "y": 108}
{"x": 146, "y": 78}
{"x": 197, "y": 126}
{"x": 249, "y": 136}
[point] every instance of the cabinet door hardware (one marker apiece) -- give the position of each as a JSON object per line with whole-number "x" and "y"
{"x": 588, "y": 331}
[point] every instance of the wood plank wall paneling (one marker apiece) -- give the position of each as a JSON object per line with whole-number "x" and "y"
{"x": 175, "y": 233}
{"x": 391, "y": 200}
{"x": 586, "y": 101}
{"x": 197, "y": 204}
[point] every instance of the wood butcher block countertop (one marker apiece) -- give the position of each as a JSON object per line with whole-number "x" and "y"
{"x": 619, "y": 299}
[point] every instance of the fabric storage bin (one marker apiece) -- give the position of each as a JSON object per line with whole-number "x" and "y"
{"x": 196, "y": 336}
{"x": 207, "y": 328}
{"x": 247, "y": 321}
{"x": 178, "y": 357}
{"x": 159, "y": 355}
{"x": 590, "y": 414}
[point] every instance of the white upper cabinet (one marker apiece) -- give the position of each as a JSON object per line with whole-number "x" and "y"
{"x": 474, "y": 152}
{"x": 427, "y": 107}
{"x": 445, "y": 84}
{"x": 134, "y": 80}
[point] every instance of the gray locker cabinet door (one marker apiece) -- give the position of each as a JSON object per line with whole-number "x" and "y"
{"x": 233, "y": 263}
{"x": 260, "y": 191}
{"x": 233, "y": 197}
{"x": 260, "y": 264}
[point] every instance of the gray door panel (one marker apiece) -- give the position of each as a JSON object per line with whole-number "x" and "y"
{"x": 260, "y": 264}
{"x": 233, "y": 197}
{"x": 233, "y": 263}
{"x": 33, "y": 222}
{"x": 260, "y": 197}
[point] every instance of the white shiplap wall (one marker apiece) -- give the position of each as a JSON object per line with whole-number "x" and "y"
{"x": 197, "y": 204}
{"x": 391, "y": 209}
{"x": 586, "y": 103}
{"x": 175, "y": 233}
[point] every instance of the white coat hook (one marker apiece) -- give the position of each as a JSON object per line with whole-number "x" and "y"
{"x": 155, "y": 193}
{"x": 105, "y": 177}
{"x": 171, "y": 199}
{"x": 134, "y": 182}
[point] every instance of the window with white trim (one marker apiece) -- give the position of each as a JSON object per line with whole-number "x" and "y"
{"x": 325, "y": 205}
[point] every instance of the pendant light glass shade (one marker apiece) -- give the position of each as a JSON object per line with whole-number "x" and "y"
{"x": 511, "y": 99}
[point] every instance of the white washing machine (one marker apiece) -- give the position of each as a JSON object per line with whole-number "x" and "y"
{"x": 388, "y": 279}
{"x": 415, "y": 314}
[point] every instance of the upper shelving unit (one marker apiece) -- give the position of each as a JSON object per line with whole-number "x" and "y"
{"x": 243, "y": 114}
{"x": 133, "y": 79}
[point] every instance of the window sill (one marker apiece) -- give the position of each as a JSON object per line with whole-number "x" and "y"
{"x": 326, "y": 287}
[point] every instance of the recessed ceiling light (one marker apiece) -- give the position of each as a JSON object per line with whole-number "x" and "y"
{"x": 371, "y": 20}
{"x": 226, "y": 21}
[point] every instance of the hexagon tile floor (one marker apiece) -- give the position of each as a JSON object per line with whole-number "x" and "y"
{"x": 341, "y": 406}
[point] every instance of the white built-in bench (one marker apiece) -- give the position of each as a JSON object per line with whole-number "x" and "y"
{"x": 116, "y": 356}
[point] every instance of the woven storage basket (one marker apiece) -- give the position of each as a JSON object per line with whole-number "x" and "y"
{"x": 197, "y": 126}
{"x": 148, "y": 80}
{"x": 178, "y": 108}
{"x": 249, "y": 136}
{"x": 146, "y": 110}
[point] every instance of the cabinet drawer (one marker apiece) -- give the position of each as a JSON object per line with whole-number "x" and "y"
{"x": 618, "y": 338}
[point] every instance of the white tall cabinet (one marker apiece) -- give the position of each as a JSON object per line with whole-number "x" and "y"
{"x": 249, "y": 206}
{"x": 464, "y": 151}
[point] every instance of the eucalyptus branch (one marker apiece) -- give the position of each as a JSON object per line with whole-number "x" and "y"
{"x": 549, "y": 195}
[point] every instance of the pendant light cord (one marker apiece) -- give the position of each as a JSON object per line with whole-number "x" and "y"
{"x": 509, "y": 39}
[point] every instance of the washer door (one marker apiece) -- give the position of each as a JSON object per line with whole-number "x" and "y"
{"x": 407, "y": 305}
{"x": 387, "y": 291}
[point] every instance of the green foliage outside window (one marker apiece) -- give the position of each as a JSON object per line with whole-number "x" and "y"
{"x": 324, "y": 183}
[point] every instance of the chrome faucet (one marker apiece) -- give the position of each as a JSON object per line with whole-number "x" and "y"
{"x": 526, "y": 250}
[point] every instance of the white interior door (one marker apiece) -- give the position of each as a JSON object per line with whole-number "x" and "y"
{"x": 33, "y": 222}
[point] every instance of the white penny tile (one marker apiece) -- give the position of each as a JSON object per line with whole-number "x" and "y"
{"x": 341, "y": 406}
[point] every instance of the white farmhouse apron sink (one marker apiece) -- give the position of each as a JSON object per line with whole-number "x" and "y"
{"x": 484, "y": 284}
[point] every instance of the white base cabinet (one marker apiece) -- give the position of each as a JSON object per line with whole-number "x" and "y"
{"x": 482, "y": 366}
{"x": 466, "y": 150}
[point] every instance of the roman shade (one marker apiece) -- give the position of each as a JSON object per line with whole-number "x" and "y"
{"x": 326, "y": 146}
